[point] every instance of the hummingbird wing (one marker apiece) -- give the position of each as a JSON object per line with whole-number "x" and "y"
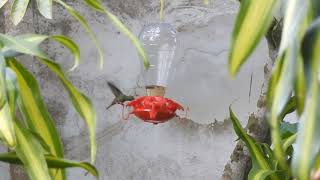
{"x": 116, "y": 91}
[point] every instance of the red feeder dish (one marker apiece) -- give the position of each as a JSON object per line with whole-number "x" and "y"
{"x": 154, "y": 109}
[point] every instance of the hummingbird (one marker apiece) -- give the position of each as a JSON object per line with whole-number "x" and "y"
{"x": 120, "y": 98}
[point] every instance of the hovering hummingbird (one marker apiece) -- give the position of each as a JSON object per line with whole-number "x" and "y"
{"x": 120, "y": 98}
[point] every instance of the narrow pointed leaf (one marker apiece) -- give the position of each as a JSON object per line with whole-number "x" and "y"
{"x": 289, "y": 108}
{"x": 7, "y": 133}
{"x": 42, "y": 142}
{"x": 35, "y": 39}
{"x": 73, "y": 47}
{"x": 45, "y": 8}
{"x": 86, "y": 26}
{"x": 81, "y": 103}
{"x": 285, "y": 83}
{"x": 308, "y": 137}
{"x": 53, "y": 162}
{"x": 282, "y": 94}
{"x": 3, "y": 96}
{"x": 267, "y": 150}
{"x": 296, "y": 11}
{"x": 308, "y": 142}
{"x": 12, "y": 90}
{"x": 287, "y": 128}
{"x": 314, "y": 9}
{"x": 161, "y": 9}
{"x": 289, "y": 141}
{"x": 30, "y": 153}
{"x": 259, "y": 162}
{"x": 300, "y": 86}
{"x": 21, "y": 46}
{"x": 252, "y": 23}
{"x": 18, "y": 10}
{"x": 317, "y": 163}
{"x": 261, "y": 174}
{"x": 275, "y": 76}
{"x": 96, "y": 5}
{"x": 29, "y": 44}
{"x": 34, "y": 110}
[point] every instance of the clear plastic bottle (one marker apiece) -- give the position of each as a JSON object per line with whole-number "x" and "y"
{"x": 160, "y": 43}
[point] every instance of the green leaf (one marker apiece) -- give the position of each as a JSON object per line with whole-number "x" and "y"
{"x": 252, "y": 23}
{"x": 300, "y": 86}
{"x": 308, "y": 142}
{"x": 267, "y": 150}
{"x": 315, "y": 8}
{"x": 29, "y": 44}
{"x": 289, "y": 141}
{"x": 284, "y": 86}
{"x": 295, "y": 14}
{"x": 3, "y": 2}
{"x": 53, "y": 162}
{"x": 18, "y": 10}
{"x": 35, "y": 39}
{"x": 96, "y": 5}
{"x": 21, "y": 46}
{"x": 288, "y": 128}
{"x": 12, "y": 90}
{"x": 282, "y": 93}
{"x": 7, "y": 134}
{"x": 42, "y": 142}
{"x": 34, "y": 110}
{"x": 268, "y": 153}
{"x": 81, "y": 103}
{"x": 261, "y": 174}
{"x": 45, "y": 8}
{"x": 275, "y": 76}
{"x": 3, "y": 96}
{"x": 73, "y": 47}
{"x": 161, "y": 9}
{"x": 308, "y": 137}
{"x": 30, "y": 153}
{"x": 259, "y": 161}
{"x": 289, "y": 108}
{"x": 86, "y": 26}
{"x": 317, "y": 163}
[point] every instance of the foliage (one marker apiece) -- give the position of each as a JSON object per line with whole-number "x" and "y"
{"x": 27, "y": 127}
{"x": 295, "y": 73}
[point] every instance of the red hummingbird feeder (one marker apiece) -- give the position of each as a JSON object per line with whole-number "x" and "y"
{"x": 154, "y": 109}
{"x": 160, "y": 43}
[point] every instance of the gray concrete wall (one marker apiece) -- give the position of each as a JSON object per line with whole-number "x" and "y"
{"x": 195, "y": 148}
